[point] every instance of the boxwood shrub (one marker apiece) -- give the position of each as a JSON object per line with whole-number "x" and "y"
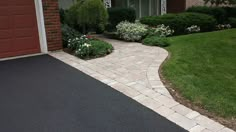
{"x": 118, "y": 14}
{"x": 217, "y": 12}
{"x": 179, "y": 22}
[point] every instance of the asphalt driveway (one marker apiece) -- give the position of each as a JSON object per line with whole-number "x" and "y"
{"x": 42, "y": 94}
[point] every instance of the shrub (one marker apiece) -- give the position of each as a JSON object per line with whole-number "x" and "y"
{"x": 131, "y": 31}
{"x": 232, "y": 22}
{"x": 156, "y": 41}
{"x": 76, "y": 42}
{"x": 217, "y": 12}
{"x": 94, "y": 48}
{"x": 205, "y": 22}
{"x": 230, "y": 11}
{"x": 179, "y": 22}
{"x": 70, "y": 17}
{"x": 193, "y": 29}
{"x": 68, "y": 33}
{"x": 160, "y": 30}
{"x": 117, "y": 15}
{"x": 166, "y": 19}
{"x": 62, "y": 15}
{"x": 93, "y": 14}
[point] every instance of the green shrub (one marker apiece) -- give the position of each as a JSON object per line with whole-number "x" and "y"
{"x": 131, "y": 31}
{"x": 156, "y": 41}
{"x": 205, "y": 22}
{"x": 67, "y": 34}
{"x": 232, "y": 22}
{"x": 62, "y": 15}
{"x": 70, "y": 17}
{"x": 180, "y": 22}
{"x": 166, "y": 19}
{"x": 117, "y": 15}
{"x": 92, "y": 14}
{"x": 230, "y": 11}
{"x": 217, "y": 12}
{"x": 93, "y": 49}
{"x": 160, "y": 30}
{"x": 85, "y": 15}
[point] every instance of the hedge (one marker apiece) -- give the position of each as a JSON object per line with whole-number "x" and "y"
{"x": 217, "y": 12}
{"x": 179, "y": 22}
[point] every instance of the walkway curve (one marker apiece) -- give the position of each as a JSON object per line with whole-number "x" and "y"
{"x": 133, "y": 70}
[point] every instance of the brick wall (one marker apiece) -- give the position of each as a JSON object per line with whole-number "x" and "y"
{"x": 190, "y": 3}
{"x": 52, "y": 24}
{"x": 176, "y": 6}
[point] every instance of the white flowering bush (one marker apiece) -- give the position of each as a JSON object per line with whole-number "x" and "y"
{"x": 75, "y": 43}
{"x": 223, "y": 26}
{"x": 193, "y": 29}
{"x": 163, "y": 31}
{"x": 84, "y": 50}
{"x": 131, "y": 31}
{"x": 160, "y": 31}
{"x": 86, "y": 47}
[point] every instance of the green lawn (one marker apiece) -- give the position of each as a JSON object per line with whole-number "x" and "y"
{"x": 202, "y": 67}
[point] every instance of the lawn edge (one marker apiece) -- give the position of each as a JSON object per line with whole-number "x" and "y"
{"x": 176, "y": 94}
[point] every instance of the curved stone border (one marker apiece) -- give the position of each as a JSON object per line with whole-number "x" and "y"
{"x": 141, "y": 83}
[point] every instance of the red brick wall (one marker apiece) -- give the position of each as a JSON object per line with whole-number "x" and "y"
{"x": 52, "y": 24}
{"x": 176, "y": 6}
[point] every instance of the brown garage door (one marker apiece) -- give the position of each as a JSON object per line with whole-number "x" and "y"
{"x": 18, "y": 28}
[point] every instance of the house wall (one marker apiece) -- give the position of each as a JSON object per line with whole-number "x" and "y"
{"x": 176, "y": 6}
{"x": 52, "y": 24}
{"x": 190, "y": 3}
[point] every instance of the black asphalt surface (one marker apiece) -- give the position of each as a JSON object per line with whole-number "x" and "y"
{"x": 42, "y": 94}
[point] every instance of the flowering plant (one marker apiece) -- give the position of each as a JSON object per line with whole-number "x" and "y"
{"x": 193, "y": 29}
{"x": 83, "y": 50}
{"x": 161, "y": 31}
{"x": 131, "y": 31}
{"x": 74, "y": 43}
{"x": 223, "y": 26}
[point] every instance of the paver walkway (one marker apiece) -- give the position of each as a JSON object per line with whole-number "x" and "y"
{"x": 133, "y": 70}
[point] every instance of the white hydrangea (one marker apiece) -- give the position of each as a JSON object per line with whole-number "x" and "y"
{"x": 131, "y": 31}
{"x": 193, "y": 29}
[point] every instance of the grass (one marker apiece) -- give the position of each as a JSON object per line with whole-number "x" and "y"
{"x": 202, "y": 67}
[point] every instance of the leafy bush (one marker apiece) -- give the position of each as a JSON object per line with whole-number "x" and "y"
{"x": 230, "y": 11}
{"x": 166, "y": 19}
{"x": 117, "y": 15}
{"x": 75, "y": 42}
{"x": 160, "y": 30}
{"x": 70, "y": 17}
{"x": 217, "y": 12}
{"x": 95, "y": 48}
{"x": 89, "y": 14}
{"x": 131, "y": 31}
{"x": 156, "y": 41}
{"x": 232, "y": 22}
{"x": 179, "y": 22}
{"x": 93, "y": 14}
{"x": 67, "y": 34}
{"x": 62, "y": 15}
{"x": 87, "y": 47}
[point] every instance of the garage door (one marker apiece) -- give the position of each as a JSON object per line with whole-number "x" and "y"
{"x": 18, "y": 28}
